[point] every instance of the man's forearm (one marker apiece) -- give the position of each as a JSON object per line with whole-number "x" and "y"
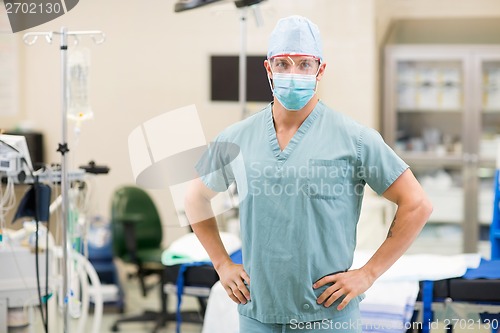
{"x": 208, "y": 234}
{"x": 201, "y": 217}
{"x": 405, "y": 227}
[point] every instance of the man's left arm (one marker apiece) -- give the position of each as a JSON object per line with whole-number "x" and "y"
{"x": 414, "y": 209}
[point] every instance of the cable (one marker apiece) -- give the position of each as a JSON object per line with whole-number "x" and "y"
{"x": 46, "y": 266}
{"x": 37, "y": 221}
{"x": 49, "y": 170}
{"x": 47, "y": 272}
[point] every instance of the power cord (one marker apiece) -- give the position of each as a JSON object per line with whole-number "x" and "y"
{"x": 46, "y": 314}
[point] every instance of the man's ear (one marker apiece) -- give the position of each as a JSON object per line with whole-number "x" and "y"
{"x": 321, "y": 71}
{"x": 267, "y": 66}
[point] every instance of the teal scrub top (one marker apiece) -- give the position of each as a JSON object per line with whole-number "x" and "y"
{"x": 298, "y": 207}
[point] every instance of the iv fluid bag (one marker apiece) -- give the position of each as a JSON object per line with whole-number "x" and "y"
{"x": 78, "y": 85}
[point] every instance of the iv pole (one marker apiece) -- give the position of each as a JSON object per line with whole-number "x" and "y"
{"x": 242, "y": 93}
{"x": 30, "y": 38}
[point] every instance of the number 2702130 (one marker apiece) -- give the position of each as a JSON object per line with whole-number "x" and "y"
{"x": 33, "y": 8}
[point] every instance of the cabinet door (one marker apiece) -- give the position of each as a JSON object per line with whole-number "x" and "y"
{"x": 486, "y": 108}
{"x": 425, "y": 99}
{"x": 425, "y": 119}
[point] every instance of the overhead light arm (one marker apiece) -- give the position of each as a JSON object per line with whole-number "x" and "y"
{"x": 183, "y": 5}
{"x": 246, "y": 3}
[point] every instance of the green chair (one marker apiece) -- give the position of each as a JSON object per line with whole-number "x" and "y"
{"x": 137, "y": 240}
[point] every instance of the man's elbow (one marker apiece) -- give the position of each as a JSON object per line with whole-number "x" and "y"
{"x": 194, "y": 198}
{"x": 197, "y": 203}
{"x": 190, "y": 198}
{"x": 425, "y": 209}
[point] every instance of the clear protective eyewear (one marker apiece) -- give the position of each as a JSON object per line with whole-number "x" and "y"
{"x": 308, "y": 65}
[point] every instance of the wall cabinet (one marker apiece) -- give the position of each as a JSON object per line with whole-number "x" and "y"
{"x": 441, "y": 113}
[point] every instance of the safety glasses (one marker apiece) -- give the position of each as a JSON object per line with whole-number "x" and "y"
{"x": 308, "y": 65}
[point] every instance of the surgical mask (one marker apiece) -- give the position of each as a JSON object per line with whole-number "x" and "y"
{"x": 293, "y": 91}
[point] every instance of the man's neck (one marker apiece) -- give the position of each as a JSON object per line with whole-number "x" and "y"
{"x": 286, "y": 120}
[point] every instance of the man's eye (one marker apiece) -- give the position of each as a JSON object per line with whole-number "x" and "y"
{"x": 306, "y": 64}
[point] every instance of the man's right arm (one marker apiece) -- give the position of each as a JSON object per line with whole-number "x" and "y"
{"x": 201, "y": 217}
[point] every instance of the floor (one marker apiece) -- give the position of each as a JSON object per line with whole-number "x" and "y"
{"x": 135, "y": 304}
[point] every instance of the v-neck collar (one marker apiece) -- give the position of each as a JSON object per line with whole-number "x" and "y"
{"x": 282, "y": 155}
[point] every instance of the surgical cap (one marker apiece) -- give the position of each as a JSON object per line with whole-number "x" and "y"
{"x": 295, "y": 35}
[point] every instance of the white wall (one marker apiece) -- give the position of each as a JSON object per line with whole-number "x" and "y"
{"x": 388, "y": 10}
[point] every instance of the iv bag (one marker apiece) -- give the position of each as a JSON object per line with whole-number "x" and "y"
{"x": 78, "y": 85}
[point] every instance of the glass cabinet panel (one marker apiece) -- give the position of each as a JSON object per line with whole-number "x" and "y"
{"x": 442, "y": 116}
{"x": 491, "y": 86}
{"x": 489, "y": 139}
{"x": 429, "y": 85}
{"x": 490, "y": 115}
{"x": 429, "y": 102}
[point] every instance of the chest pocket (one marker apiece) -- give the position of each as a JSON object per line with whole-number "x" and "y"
{"x": 326, "y": 178}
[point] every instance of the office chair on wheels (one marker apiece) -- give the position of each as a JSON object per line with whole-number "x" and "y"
{"x": 137, "y": 238}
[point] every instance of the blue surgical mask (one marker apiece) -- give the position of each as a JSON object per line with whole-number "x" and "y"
{"x": 294, "y": 91}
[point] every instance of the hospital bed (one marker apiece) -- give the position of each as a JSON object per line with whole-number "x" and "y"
{"x": 467, "y": 300}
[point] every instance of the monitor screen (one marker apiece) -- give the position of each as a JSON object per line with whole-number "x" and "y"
{"x": 11, "y": 143}
{"x": 224, "y": 79}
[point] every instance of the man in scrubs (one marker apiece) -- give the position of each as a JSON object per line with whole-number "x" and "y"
{"x": 303, "y": 168}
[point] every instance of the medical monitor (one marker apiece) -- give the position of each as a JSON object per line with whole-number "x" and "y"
{"x": 14, "y": 147}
